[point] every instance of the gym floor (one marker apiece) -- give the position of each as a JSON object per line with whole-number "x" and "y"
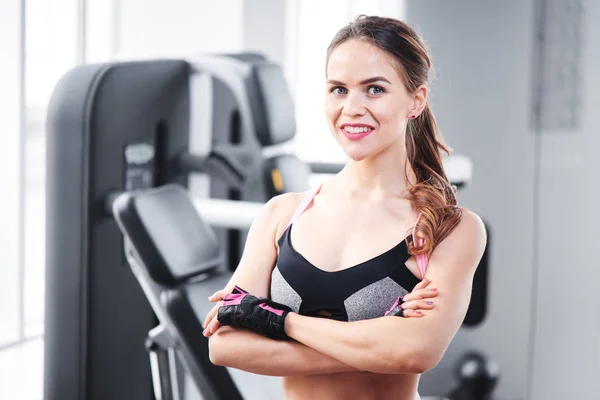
{"x": 21, "y": 371}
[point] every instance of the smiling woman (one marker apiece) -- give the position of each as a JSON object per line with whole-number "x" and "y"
{"x": 378, "y": 78}
{"x": 366, "y": 244}
{"x": 377, "y": 102}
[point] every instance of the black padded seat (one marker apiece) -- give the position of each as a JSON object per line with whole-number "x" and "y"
{"x": 175, "y": 257}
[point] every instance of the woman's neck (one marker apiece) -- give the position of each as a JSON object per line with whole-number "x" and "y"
{"x": 378, "y": 176}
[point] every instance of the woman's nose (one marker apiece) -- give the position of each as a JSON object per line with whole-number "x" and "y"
{"x": 354, "y": 105}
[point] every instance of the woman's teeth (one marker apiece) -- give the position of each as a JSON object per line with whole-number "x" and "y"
{"x": 352, "y": 129}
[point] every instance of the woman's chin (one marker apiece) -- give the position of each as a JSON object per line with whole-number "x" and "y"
{"x": 357, "y": 150}
{"x": 357, "y": 154}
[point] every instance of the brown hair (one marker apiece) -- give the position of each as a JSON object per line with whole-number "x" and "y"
{"x": 432, "y": 194}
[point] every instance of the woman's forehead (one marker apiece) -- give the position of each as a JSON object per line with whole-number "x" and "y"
{"x": 357, "y": 60}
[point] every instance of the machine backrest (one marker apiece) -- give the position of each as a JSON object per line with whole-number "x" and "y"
{"x": 170, "y": 255}
{"x": 271, "y": 105}
{"x": 273, "y": 115}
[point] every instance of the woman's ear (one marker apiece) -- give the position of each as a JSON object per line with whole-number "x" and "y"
{"x": 419, "y": 101}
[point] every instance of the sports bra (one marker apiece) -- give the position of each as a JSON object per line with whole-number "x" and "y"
{"x": 363, "y": 291}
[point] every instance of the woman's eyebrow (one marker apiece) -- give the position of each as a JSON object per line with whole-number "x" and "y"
{"x": 366, "y": 81}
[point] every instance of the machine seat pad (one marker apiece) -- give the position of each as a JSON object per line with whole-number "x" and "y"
{"x": 170, "y": 237}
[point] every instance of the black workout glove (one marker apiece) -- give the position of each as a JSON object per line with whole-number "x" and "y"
{"x": 259, "y": 315}
{"x": 396, "y": 309}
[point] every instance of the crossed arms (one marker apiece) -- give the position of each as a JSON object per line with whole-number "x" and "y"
{"x": 386, "y": 345}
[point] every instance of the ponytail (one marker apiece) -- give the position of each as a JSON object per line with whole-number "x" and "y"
{"x": 432, "y": 195}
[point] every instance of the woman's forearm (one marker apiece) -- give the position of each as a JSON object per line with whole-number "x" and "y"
{"x": 370, "y": 345}
{"x": 248, "y": 351}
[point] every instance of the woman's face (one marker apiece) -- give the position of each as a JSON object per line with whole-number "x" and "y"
{"x": 367, "y": 104}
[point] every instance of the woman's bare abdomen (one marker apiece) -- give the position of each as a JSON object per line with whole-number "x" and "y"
{"x": 351, "y": 385}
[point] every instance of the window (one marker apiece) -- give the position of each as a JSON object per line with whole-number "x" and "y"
{"x": 52, "y": 47}
{"x": 11, "y": 111}
{"x": 311, "y": 26}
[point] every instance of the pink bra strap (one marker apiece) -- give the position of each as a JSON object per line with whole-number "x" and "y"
{"x": 422, "y": 260}
{"x": 304, "y": 205}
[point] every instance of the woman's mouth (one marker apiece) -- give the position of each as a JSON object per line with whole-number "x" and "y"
{"x": 356, "y": 131}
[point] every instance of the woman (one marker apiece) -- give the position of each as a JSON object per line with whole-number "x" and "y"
{"x": 326, "y": 300}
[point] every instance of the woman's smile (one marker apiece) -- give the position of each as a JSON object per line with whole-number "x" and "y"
{"x": 356, "y": 131}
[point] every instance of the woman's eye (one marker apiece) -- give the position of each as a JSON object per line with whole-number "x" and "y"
{"x": 338, "y": 90}
{"x": 376, "y": 90}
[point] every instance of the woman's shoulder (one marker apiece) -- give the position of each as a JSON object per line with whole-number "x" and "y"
{"x": 470, "y": 219}
{"x": 469, "y": 235}
{"x": 285, "y": 204}
{"x": 281, "y": 208}
{"x": 470, "y": 225}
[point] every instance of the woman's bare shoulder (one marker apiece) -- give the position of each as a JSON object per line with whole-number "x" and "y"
{"x": 281, "y": 208}
{"x": 471, "y": 224}
{"x": 469, "y": 238}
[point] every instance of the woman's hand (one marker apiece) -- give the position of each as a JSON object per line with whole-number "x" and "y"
{"x": 211, "y": 323}
{"x": 258, "y": 314}
{"x": 410, "y": 305}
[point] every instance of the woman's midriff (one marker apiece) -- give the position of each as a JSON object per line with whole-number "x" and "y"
{"x": 351, "y": 385}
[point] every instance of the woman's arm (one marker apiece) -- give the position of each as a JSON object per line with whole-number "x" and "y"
{"x": 392, "y": 345}
{"x": 248, "y": 351}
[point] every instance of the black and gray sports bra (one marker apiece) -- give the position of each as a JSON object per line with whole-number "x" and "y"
{"x": 363, "y": 291}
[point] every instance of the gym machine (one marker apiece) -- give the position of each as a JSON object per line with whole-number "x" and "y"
{"x": 111, "y": 128}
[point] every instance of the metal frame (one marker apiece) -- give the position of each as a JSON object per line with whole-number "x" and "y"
{"x": 163, "y": 363}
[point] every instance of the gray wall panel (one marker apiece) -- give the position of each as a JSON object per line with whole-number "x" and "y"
{"x": 481, "y": 97}
{"x": 567, "y": 335}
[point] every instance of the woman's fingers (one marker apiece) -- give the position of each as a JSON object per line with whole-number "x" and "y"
{"x": 217, "y": 296}
{"x": 421, "y": 294}
{"x": 412, "y": 313}
{"x": 418, "y": 305}
{"x": 211, "y": 315}
{"x": 421, "y": 285}
{"x": 212, "y": 327}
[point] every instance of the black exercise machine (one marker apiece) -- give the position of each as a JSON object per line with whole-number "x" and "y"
{"x": 111, "y": 128}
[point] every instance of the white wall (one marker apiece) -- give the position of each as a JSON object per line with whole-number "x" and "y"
{"x": 264, "y": 28}
{"x": 155, "y": 28}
